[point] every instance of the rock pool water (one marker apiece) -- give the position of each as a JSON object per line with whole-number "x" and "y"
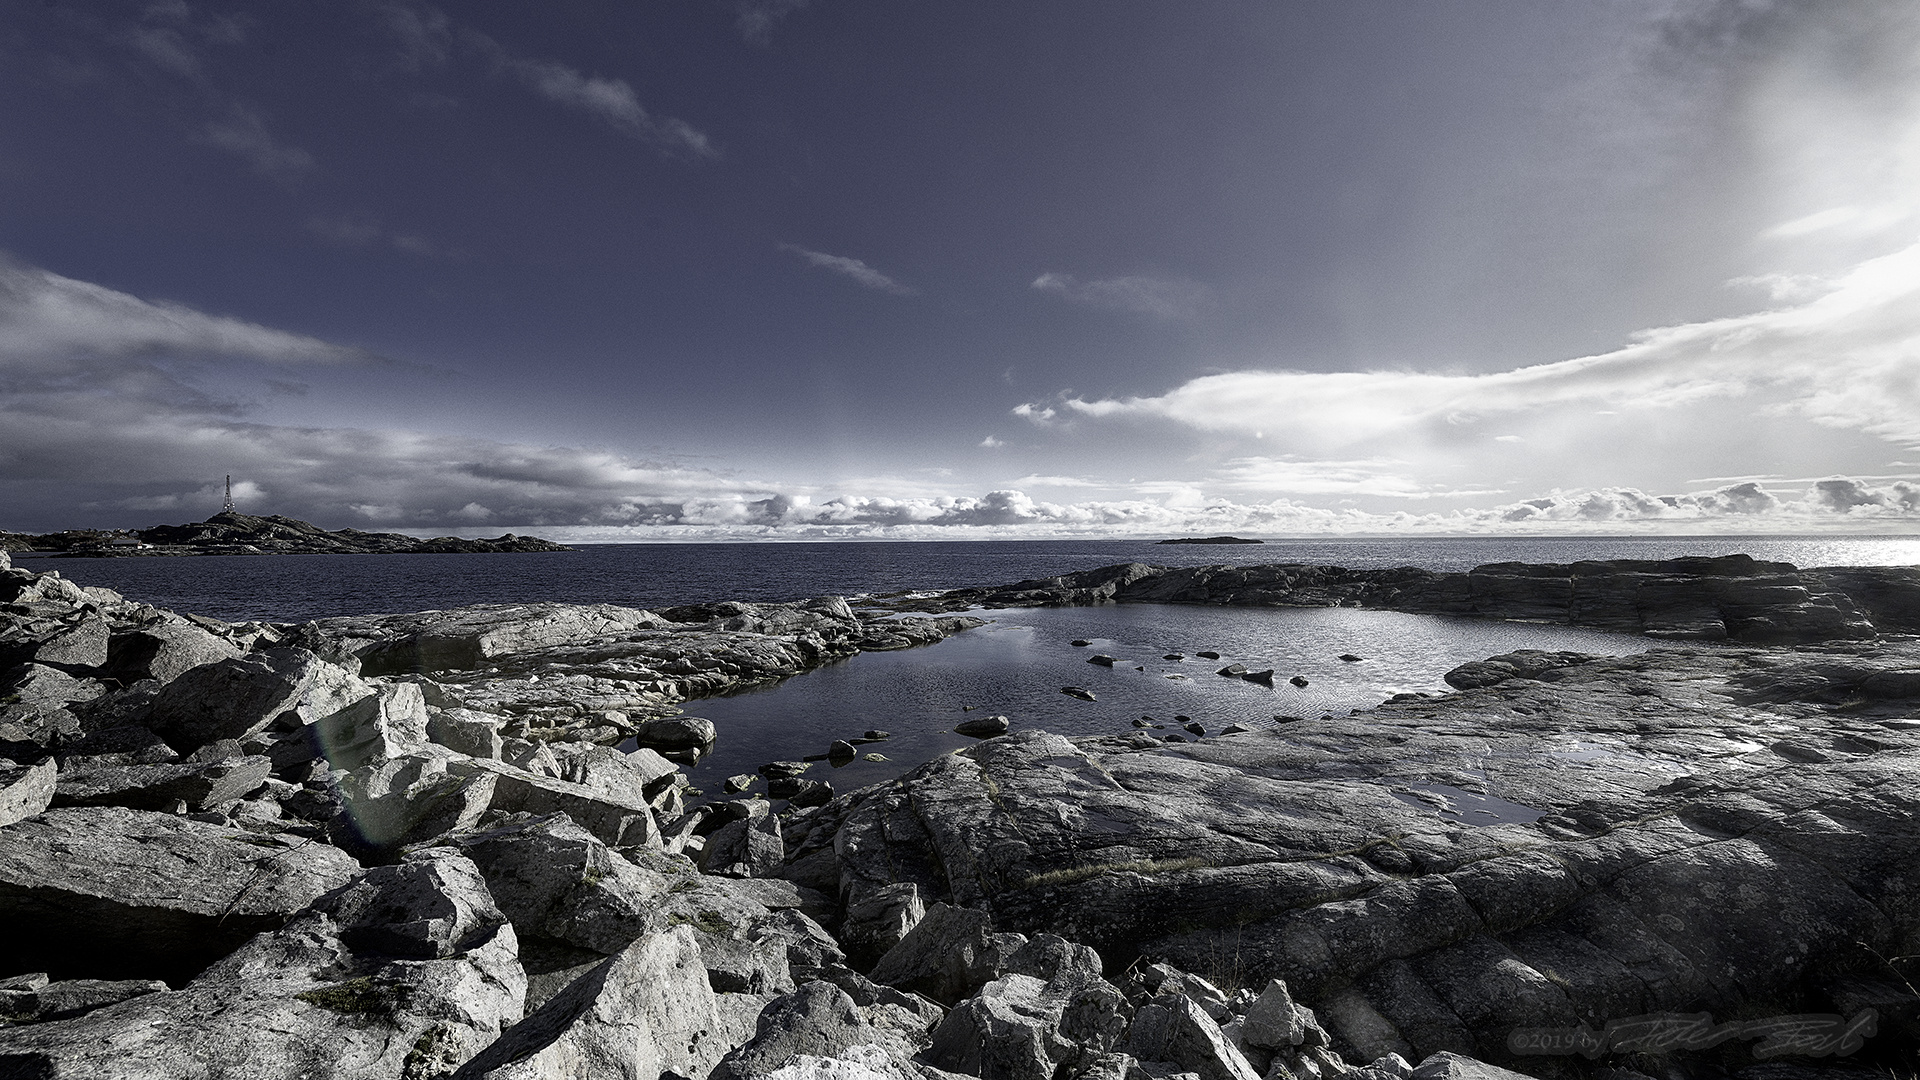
{"x": 1018, "y": 663}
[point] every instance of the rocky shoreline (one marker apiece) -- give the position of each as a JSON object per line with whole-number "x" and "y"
{"x": 405, "y": 846}
{"x": 245, "y": 534}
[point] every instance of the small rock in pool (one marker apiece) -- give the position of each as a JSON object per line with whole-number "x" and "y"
{"x": 1350, "y": 658}
{"x": 800, "y": 793}
{"x": 1208, "y": 655}
{"x": 1080, "y": 643}
{"x": 1264, "y": 678}
{"x": 1196, "y": 729}
{"x": 1102, "y": 659}
{"x": 873, "y": 757}
{"x": 1075, "y": 691}
{"x": 985, "y": 727}
{"x": 841, "y": 748}
{"x": 737, "y": 784}
{"x": 1235, "y": 729}
{"x": 1298, "y": 680}
{"x": 1174, "y": 656}
{"x": 1179, "y": 719}
{"x": 776, "y": 770}
{"x": 1173, "y": 676}
{"x": 968, "y": 708}
{"x": 878, "y": 736}
{"x": 1233, "y": 669}
{"x": 1145, "y": 721}
{"x": 1176, "y": 738}
{"x": 1288, "y": 719}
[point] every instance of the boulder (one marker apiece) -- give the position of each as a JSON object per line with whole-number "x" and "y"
{"x": 644, "y": 1013}
{"x": 230, "y": 699}
{"x": 163, "y": 651}
{"x": 1274, "y": 1022}
{"x": 79, "y": 644}
{"x": 113, "y": 893}
{"x": 25, "y": 790}
{"x": 617, "y": 822}
{"x": 203, "y": 785}
{"x": 809, "y": 1030}
{"x": 464, "y": 731}
{"x": 677, "y": 733}
{"x": 1172, "y": 1028}
{"x": 1033, "y": 1026}
{"x": 983, "y": 727}
{"x": 72, "y": 997}
{"x": 749, "y": 847}
{"x": 384, "y": 725}
{"x": 947, "y": 955}
{"x": 411, "y": 799}
{"x": 555, "y": 880}
{"x": 38, "y": 684}
{"x": 1447, "y": 1065}
{"x": 879, "y": 918}
{"x": 406, "y": 971}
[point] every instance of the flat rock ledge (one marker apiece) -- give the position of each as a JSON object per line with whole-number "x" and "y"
{"x": 1730, "y": 598}
{"x": 1733, "y": 831}
{"x": 401, "y": 847}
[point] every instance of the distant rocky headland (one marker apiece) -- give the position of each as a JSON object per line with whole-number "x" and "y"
{"x": 1212, "y": 540}
{"x": 244, "y": 534}
{"x": 407, "y": 846}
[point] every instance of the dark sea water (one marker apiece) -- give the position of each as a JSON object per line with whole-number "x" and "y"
{"x": 1015, "y": 666}
{"x": 291, "y": 588}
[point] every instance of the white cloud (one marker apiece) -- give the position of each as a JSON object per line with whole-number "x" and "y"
{"x": 243, "y": 131}
{"x": 427, "y": 39}
{"x": 1849, "y": 359}
{"x": 612, "y": 100}
{"x": 992, "y": 442}
{"x": 757, "y": 18}
{"x": 1382, "y": 477}
{"x": 49, "y": 322}
{"x": 1039, "y": 414}
{"x": 851, "y": 268}
{"x": 1159, "y": 297}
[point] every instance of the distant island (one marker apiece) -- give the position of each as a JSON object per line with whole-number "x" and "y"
{"x": 1213, "y": 540}
{"x": 229, "y": 533}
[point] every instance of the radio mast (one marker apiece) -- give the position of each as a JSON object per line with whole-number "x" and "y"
{"x": 226, "y": 507}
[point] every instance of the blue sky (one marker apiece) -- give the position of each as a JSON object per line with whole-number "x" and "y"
{"x": 765, "y": 268}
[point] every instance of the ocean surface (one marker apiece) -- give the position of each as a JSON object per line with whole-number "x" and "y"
{"x": 1015, "y": 666}
{"x": 293, "y": 588}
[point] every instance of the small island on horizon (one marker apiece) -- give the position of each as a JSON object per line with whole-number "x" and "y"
{"x": 233, "y": 533}
{"x": 1212, "y": 540}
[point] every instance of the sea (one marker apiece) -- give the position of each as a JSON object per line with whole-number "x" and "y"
{"x": 1015, "y": 666}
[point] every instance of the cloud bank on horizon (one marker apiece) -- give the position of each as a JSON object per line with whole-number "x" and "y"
{"x": 92, "y": 386}
{"x": 628, "y": 345}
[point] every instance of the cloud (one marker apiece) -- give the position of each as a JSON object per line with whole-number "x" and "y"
{"x": 851, "y": 268}
{"x": 96, "y": 420}
{"x": 1848, "y": 359}
{"x": 1159, "y": 297}
{"x": 1039, "y": 414}
{"x": 359, "y": 232}
{"x": 48, "y": 322}
{"x": 1012, "y": 514}
{"x": 1382, "y": 477}
{"x": 992, "y": 442}
{"x": 757, "y": 18}
{"x": 424, "y": 36}
{"x": 237, "y": 127}
{"x": 612, "y": 100}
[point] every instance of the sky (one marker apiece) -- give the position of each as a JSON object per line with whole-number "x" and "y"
{"x": 764, "y": 269}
